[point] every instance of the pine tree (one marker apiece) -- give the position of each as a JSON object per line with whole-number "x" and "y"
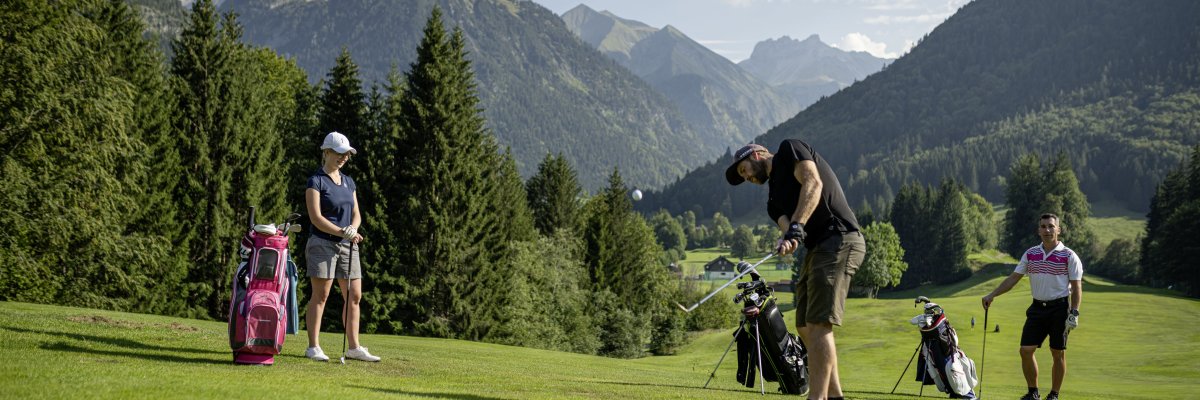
{"x": 1064, "y": 198}
{"x": 950, "y": 243}
{"x": 231, "y": 108}
{"x": 343, "y": 105}
{"x": 1023, "y": 197}
{"x": 621, "y": 256}
{"x": 553, "y": 195}
{"x": 381, "y": 197}
{"x": 908, "y": 216}
{"x": 1168, "y": 197}
{"x": 454, "y": 180}
{"x": 73, "y": 137}
{"x": 1171, "y": 243}
{"x": 139, "y": 62}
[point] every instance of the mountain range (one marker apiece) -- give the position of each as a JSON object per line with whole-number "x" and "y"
{"x": 1114, "y": 85}
{"x": 542, "y": 90}
{"x": 808, "y": 69}
{"x": 664, "y": 106}
{"x": 725, "y": 104}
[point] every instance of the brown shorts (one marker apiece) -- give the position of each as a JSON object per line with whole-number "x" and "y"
{"x": 825, "y": 278}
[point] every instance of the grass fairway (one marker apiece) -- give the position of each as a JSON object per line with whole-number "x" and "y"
{"x": 1132, "y": 343}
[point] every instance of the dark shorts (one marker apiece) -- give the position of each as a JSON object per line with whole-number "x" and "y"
{"x": 1046, "y": 318}
{"x": 825, "y": 278}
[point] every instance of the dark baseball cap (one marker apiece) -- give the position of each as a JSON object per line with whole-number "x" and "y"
{"x": 731, "y": 173}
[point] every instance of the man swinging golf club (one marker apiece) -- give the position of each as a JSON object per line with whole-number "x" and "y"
{"x": 807, "y": 203}
{"x": 1055, "y": 272}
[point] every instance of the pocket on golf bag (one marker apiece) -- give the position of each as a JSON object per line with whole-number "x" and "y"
{"x": 793, "y": 374}
{"x": 262, "y": 327}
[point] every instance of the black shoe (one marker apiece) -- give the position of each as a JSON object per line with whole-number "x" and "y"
{"x": 1052, "y": 396}
{"x": 1031, "y": 396}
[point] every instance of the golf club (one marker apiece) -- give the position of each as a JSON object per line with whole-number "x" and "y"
{"x": 718, "y": 290}
{"x": 983, "y": 353}
{"x": 346, "y": 303}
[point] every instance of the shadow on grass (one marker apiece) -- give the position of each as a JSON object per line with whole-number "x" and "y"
{"x": 858, "y": 394}
{"x": 1113, "y": 287}
{"x": 67, "y": 347}
{"x": 431, "y": 395}
{"x": 664, "y": 385}
{"x": 120, "y": 342}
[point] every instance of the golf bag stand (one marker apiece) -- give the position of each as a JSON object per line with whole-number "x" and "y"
{"x": 764, "y": 343}
{"x": 941, "y": 361}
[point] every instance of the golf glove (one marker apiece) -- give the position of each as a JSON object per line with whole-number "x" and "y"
{"x": 349, "y": 231}
{"x": 795, "y": 231}
{"x": 1072, "y": 322}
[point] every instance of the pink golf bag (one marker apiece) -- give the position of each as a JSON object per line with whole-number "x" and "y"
{"x": 263, "y": 285}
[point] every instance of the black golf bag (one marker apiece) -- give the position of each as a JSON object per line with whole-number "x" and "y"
{"x": 942, "y": 363}
{"x": 763, "y": 331}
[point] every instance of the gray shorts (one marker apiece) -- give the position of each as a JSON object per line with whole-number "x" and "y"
{"x": 328, "y": 259}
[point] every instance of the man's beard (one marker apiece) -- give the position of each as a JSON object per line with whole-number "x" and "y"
{"x": 761, "y": 175}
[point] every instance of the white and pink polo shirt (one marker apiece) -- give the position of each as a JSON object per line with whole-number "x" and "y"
{"x": 1050, "y": 273}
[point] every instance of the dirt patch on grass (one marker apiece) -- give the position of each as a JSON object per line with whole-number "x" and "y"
{"x": 96, "y": 319}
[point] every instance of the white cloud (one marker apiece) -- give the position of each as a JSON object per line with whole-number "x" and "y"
{"x": 738, "y": 3}
{"x": 748, "y": 3}
{"x": 887, "y": 5}
{"x": 856, "y": 41}
{"x": 907, "y": 19}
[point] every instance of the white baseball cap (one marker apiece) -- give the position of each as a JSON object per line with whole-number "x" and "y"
{"x": 338, "y": 143}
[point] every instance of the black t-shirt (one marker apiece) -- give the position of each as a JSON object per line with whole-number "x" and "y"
{"x": 832, "y": 214}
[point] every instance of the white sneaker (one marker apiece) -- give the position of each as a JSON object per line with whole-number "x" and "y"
{"x": 315, "y": 354}
{"x": 361, "y": 353}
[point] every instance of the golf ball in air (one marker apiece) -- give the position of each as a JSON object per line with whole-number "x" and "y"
{"x": 637, "y": 194}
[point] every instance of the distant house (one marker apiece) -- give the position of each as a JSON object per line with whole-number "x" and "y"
{"x": 720, "y": 268}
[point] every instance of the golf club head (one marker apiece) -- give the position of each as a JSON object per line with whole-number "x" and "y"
{"x": 920, "y": 299}
{"x": 294, "y": 228}
{"x": 342, "y": 360}
{"x": 293, "y": 217}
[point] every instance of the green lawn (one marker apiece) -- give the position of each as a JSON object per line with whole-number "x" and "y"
{"x": 694, "y": 264}
{"x": 1133, "y": 342}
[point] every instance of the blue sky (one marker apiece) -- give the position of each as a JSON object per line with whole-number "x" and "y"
{"x": 885, "y": 28}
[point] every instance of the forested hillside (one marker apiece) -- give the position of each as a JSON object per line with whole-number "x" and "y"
{"x": 1113, "y": 84}
{"x": 542, "y": 89}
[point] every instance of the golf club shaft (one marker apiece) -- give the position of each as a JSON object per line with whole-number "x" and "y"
{"x": 735, "y": 278}
{"x": 983, "y": 353}
{"x": 346, "y": 301}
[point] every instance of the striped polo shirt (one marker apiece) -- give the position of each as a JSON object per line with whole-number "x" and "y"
{"x": 1050, "y": 273}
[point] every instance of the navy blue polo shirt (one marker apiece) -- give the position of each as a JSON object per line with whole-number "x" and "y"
{"x": 337, "y": 201}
